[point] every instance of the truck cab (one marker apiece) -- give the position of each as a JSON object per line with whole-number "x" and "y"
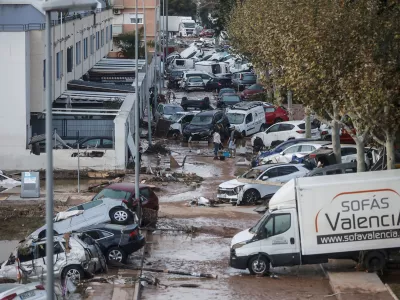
{"x": 186, "y": 27}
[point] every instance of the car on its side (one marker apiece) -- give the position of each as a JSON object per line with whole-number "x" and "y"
{"x": 201, "y": 104}
{"x": 218, "y": 83}
{"x": 117, "y": 242}
{"x": 194, "y": 83}
{"x": 202, "y": 126}
{"x": 253, "y": 185}
{"x": 298, "y": 151}
{"x": 34, "y": 291}
{"x": 165, "y": 110}
{"x": 284, "y": 131}
{"x": 101, "y": 210}
{"x": 240, "y": 81}
{"x": 251, "y": 91}
{"x": 73, "y": 258}
{"x": 275, "y": 114}
{"x": 228, "y": 100}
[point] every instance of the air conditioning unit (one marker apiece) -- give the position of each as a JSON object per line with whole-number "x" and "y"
{"x": 117, "y": 11}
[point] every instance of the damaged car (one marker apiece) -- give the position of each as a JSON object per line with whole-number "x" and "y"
{"x": 90, "y": 213}
{"x": 259, "y": 183}
{"x": 73, "y": 258}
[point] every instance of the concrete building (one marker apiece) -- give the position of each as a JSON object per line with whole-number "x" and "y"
{"x": 79, "y": 42}
{"x": 124, "y": 19}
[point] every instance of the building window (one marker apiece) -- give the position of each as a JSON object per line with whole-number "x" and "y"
{"x": 85, "y": 48}
{"x": 70, "y": 59}
{"x": 59, "y": 64}
{"x": 97, "y": 40}
{"x": 107, "y": 34}
{"x": 110, "y": 32}
{"x": 44, "y": 73}
{"x": 139, "y": 19}
{"x": 78, "y": 56}
{"x": 102, "y": 37}
{"x": 92, "y": 44}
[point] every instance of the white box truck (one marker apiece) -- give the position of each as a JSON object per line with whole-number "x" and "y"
{"x": 313, "y": 219}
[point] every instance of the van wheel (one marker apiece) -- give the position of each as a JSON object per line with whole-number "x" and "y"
{"x": 120, "y": 216}
{"x": 75, "y": 273}
{"x": 258, "y": 265}
{"x": 251, "y": 196}
{"x": 262, "y": 128}
{"x": 374, "y": 261}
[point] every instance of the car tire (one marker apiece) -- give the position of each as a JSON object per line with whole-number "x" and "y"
{"x": 258, "y": 265}
{"x": 374, "y": 261}
{"x": 277, "y": 120}
{"x": 116, "y": 254}
{"x": 262, "y": 128}
{"x": 120, "y": 216}
{"x": 251, "y": 196}
{"x": 74, "y": 272}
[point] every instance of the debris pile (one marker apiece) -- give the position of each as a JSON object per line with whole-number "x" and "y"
{"x": 201, "y": 201}
{"x": 157, "y": 148}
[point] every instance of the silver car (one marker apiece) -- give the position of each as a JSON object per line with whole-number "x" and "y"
{"x": 90, "y": 213}
{"x": 73, "y": 257}
{"x": 194, "y": 83}
{"x": 259, "y": 183}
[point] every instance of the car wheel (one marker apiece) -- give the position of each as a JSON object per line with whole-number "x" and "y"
{"x": 262, "y": 128}
{"x": 120, "y": 216}
{"x": 277, "y": 120}
{"x": 258, "y": 265}
{"x": 251, "y": 196}
{"x": 116, "y": 254}
{"x": 75, "y": 273}
{"x": 374, "y": 261}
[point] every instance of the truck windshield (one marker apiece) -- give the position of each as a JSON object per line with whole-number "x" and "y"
{"x": 256, "y": 227}
{"x": 235, "y": 118}
{"x": 189, "y": 25}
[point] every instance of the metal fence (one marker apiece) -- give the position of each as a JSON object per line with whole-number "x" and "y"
{"x": 67, "y": 129}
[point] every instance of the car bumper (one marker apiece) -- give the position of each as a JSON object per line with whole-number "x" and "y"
{"x": 200, "y": 87}
{"x": 134, "y": 246}
{"x": 237, "y": 262}
{"x": 225, "y": 197}
{"x": 200, "y": 135}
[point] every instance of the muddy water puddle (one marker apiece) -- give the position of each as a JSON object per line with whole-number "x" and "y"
{"x": 210, "y": 254}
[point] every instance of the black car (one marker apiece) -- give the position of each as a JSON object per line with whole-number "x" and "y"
{"x": 202, "y": 125}
{"x": 240, "y": 81}
{"x": 116, "y": 242}
{"x": 174, "y": 77}
{"x": 98, "y": 142}
{"x": 227, "y": 100}
{"x": 195, "y": 103}
{"x": 218, "y": 83}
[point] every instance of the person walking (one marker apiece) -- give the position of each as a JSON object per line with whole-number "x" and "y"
{"x": 217, "y": 143}
{"x": 232, "y": 142}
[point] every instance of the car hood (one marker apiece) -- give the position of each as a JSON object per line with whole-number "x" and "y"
{"x": 231, "y": 184}
{"x": 193, "y": 128}
{"x": 242, "y": 236}
{"x": 271, "y": 157}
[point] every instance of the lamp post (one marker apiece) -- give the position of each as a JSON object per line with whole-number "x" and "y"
{"x": 147, "y": 74}
{"x": 48, "y": 7}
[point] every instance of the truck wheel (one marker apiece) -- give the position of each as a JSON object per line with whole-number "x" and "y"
{"x": 251, "y": 196}
{"x": 374, "y": 261}
{"x": 258, "y": 265}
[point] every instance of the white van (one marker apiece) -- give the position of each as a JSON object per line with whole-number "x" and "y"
{"x": 212, "y": 67}
{"x": 204, "y": 75}
{"x": 313, "y": 219}
{"x": 186, "y": 27}
{"x": 182, "y": 63}
{"x": 247, "y": 117}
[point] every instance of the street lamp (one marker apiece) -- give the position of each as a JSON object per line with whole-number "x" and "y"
{"x": 48, "y": 7}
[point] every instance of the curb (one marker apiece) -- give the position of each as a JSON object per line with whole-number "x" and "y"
{"x": 137, "y": 293}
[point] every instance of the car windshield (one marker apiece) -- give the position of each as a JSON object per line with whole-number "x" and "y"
{"x": 255, "y": 87}
{"x": 189, "y": 25}
{"x": 256, "y": 227}
{"x": 113, "y": 194}
{"x": 201, "y": 120}
{"x": 235, "y": 118}
{"x": 231, "y": 98}
{"x": 225, "y": 91}
{"x": 252, "y": 174}
{"x": 249, "y": 77}
{"x": 195, "y": 79}
{"x": 171, "y": 110}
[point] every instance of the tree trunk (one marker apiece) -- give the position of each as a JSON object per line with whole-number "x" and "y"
{"x": 308, "y": 124}
{"x": 360, "y": 155}
{"x": 336, "y": 141}
{"x": 389, "y": 143}
{"x": 290, "y": 104}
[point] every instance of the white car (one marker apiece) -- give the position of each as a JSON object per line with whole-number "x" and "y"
{"x": 31, "y": 291}
{"x": 179, "y": 120}
{"x": 284, "y": 131}
{"x": 90, "y": 213}
{"x": 7, "y": 182}
{"x": 253, "y": 185}
{"x": 298, "y": 150}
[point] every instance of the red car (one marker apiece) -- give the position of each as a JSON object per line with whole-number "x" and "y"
{"x": 251, "y": 90}
{"x": 207, "y": 33}
{"x": 275, "y": 114}
{"x": 126, "y": 191}
{"x": 345, "y": 137}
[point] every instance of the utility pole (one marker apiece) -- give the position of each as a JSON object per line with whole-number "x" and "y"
{"x": 147, "y": 74}
{"x": 160, "y": 47}
{"x": 163, "y": 46}
{"x": 155, "y": 55}
{"x": 167, "y": 32}
{"x": 137, "y": 107}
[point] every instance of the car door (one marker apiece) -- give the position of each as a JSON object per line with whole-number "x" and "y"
{"x": 285, "y": 131}
{"x": 249, "y": 121}
{"x": 287, "y": 155}
{"x": 95, "y": 212}
{"x": 279, "y": 240}
{"x": 271, "y": 135}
